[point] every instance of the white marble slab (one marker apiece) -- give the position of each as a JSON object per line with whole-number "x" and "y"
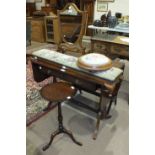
{"x": 71, "y": 61}
{"x": 126, "y": 30}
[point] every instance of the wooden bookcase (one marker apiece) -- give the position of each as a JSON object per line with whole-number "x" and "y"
{"x": 49, "y": 32}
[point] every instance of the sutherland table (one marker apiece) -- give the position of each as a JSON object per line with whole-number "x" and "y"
{"x": 114, "y": 44}
{"x": 47, "y": 63}
{"x": 110, "y": 43}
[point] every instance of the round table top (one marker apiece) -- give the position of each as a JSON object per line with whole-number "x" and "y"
{"x": 59, "y": 91}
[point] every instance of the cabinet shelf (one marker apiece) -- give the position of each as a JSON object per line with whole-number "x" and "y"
{"x": 50, "y": 33}
{"x": 50, "y": 25}
{"x": 49, "y": 29}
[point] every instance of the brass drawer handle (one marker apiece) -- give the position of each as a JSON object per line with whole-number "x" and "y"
{"x": 34, "y": 58}
{"x": 62, "y": 70}
{"x": 63, "y": 67}
{"x": 40, "y": 67}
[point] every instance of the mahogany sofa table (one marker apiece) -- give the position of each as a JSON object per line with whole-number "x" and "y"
{"x": 47, "y": 63}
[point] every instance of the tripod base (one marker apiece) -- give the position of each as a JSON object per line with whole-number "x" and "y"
{"x": 59, "y": 131}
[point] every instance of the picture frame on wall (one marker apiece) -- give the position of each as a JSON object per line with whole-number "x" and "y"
{"x": 38, "y": 1}
{"x": 102, "y": 7}
{"x": 105, "y": 0}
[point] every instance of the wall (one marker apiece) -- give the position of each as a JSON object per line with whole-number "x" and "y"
{"x": 116, "y": 6}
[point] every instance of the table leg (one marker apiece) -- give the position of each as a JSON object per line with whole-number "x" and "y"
{"x": 108, "y": 110}
{"x": 99, "y": 115}
{"x": 97, "y": 125}
{"x": 69, "y": 133}
{"x": 103, "y": 113}
{"x": 51, "y": 140}
{"x": 60, "y": 130}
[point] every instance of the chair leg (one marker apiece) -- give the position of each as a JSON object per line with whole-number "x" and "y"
{"x": 115, "y": 101}
{"x": 97, "y": 126}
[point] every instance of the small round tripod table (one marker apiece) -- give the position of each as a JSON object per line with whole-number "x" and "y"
{"x": 58, "y": 92}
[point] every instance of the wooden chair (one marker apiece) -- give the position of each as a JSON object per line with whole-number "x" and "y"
{"x": 58, "y": 92}
{"x": 71, "y": 28}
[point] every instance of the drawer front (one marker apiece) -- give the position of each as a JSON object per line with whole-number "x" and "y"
{"x": 110, "y": 49}
{"x": 100, "y": 48}
{"x": 79, "y": 82}
{"x": 120, "y": 50}
{"x": 65, "y": 76}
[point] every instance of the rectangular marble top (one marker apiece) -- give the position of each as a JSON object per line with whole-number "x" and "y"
{"x": 71, "y": 62}
{"x": 109, "y": 29}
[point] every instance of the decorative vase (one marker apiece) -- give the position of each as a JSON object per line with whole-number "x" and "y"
{"x": 112, "y": 21}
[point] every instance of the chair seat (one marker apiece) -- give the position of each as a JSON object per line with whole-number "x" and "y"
{"x": 57, "y": 92}
{"x": 70, "y": 47}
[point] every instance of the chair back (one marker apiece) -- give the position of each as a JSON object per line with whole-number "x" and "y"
{"x": 72, "y": 24}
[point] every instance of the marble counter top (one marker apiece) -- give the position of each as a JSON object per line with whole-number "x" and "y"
{"x": 122, "y": 30}
{"x": 71, "y": 61}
